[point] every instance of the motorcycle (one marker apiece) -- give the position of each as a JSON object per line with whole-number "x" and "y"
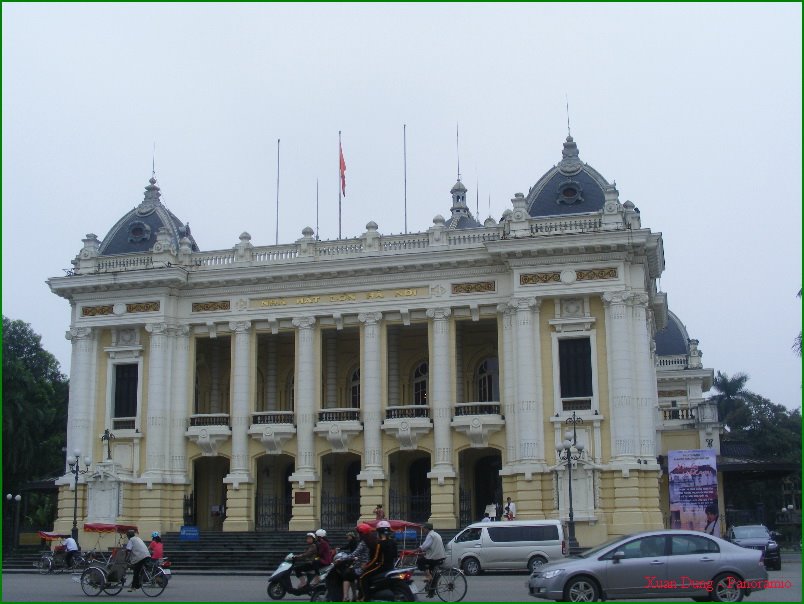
{"x": 279, "y": 583}
{"x": 164, "y": 564}
{"x": 390, "y": 586}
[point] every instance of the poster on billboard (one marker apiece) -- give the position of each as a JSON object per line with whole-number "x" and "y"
{"x": 693, "y": 490}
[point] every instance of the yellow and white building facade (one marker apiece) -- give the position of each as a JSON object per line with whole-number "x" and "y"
{"x": 298, "y": 386}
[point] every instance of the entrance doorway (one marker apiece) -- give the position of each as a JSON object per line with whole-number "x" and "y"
{"x": 272, "y": 504}
{"x": 210, "y": 492}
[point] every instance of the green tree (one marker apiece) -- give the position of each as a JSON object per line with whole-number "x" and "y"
{"x": 34, "y": 408}
{"x": 731, "y": 399}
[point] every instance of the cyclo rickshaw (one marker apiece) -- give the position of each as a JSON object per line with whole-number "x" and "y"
{"x": 110, "y": 576}
{"x": 55, "y": 560}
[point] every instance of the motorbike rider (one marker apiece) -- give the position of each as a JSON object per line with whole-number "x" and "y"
{"x": 383, "y": 557}
{"x": 155, "y": 546}
{"x": 360, "y": 554}
{"x": 307, "y": 561}
{"x": 325, "y": 550}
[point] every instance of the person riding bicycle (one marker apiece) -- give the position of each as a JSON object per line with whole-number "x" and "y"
{"x": 383, "y": 558}
{"x": 136, "y": 556}
{"x": 432, "y": 550}
{"x": 307, "y": 561}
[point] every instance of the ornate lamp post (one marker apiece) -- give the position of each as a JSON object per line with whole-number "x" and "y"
{"x": 571, "y": 450}
{"x": 74, "y": 461}
{"x": 15, "y": 531}
{"x": 108, "y": 436}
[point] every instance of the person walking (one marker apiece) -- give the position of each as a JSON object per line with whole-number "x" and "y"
{"x": 509, "y": 511}
{"x": 379, "y": 513}
{"x": 136, "y": 556}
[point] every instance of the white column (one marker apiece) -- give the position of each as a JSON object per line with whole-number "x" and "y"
{"x": 528, "y": 371}
{"x": 508, "y": 390}
{"x": 305, "y": 400}
{"x": 239, "y": 414}
{"x": 440, "y": 391}
{"x": 215, "y": 398}
{"x": 180, "y": 404}
{"x": 624, "y": 424}
{"x": 370, "y": 397}
{"x": 156, "y": 421}
{"x": 645, "y": 370}
{"x": 81, "y": 404}
{"x": 271, "y": 392}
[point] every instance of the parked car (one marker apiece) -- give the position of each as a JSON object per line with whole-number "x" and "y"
{"x": 509, "y": 545}
{"x": 756, "y": 536}
{"x": 654, "y": 564}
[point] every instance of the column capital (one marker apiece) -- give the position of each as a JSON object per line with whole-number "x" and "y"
{"x": 240, "y": 326}
{"x": 157, "y": 329}
{"x": 639, "y": 299}
{"x": 304, "y": 322}
{"x": 525, "y": 303}
{"x": 618, "y": 297}
{"x": 439, "y": 314}
{"x": 78, "y": 333}
{"x": 370, "y": 318}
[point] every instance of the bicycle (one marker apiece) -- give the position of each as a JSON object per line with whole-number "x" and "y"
{"x": 449, "y": 584}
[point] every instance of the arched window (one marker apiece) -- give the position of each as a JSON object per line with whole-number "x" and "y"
{"x": 487, "y": 380}
{"x": 354, "y": 388}
{"x": 420, "y": 378}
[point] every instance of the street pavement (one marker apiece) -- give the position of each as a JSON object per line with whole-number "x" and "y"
{"x": 29, "y": 587}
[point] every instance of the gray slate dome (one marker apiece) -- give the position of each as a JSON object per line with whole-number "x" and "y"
{"x": 571, "y": 187}
{"x": 673, "y": 339}
{"x": 136, "y": 231}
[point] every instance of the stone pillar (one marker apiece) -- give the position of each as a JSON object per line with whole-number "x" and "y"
{"x": 442, "y": 474}
{"x": 624, "y": 424}
{"x": 181, "y": 405}
{"x": 305, "y": 400}
{"x": 645, "y": 372}
{"x": 331, "y": 400}
{"x": 81, "y": 406}
{"x": 460, "y": 390}
{"x": 508, "y": 390}
{"x": 372, "y": 474}
{"x": 393, "y": 368}
{"x": 156, "y": 422}
{"x": 271, "y": 392}
{"x": 530, "y": 419}
{"x": 240, "y": 417}
{"x": 215, "y": 398}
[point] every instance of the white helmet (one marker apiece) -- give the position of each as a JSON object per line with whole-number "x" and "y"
{"x": 321, "y": 533}
{"x": 310, "y": 535}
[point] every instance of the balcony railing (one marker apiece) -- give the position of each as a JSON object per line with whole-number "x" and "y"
{"x": 490, "y": 408}
{"x": 123, "y": 423}
{"x": 272, "y": 417}
{"x": 339, "y": 415}
{"x": 209, "y": 419}
{"x": 676, "y": 361}
{"x": 682, "y": 414}
{"x": 408, "y": 412}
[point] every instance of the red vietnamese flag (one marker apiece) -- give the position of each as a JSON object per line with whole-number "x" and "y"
{"x": 343, "y": 171}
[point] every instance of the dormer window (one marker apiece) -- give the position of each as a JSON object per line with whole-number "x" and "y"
{"x": 138, "y": 231}
{"x": 569, "y": 193}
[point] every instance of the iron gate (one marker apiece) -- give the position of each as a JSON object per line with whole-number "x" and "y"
{"x": 340, "y": 512}
{"x": 465, "y": 508}
{"x": 272, "y": 513}
{"x": 414, "y": 508}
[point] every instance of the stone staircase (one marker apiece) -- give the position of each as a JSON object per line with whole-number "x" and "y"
{"x": 254, "y": 552}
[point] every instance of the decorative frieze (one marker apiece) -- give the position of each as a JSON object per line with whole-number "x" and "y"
{"x": 97, "y": 311}
{"x": 591, "y": 274}
{"x": 143, "y": 307}
{"x": 672, "y": 393}
{"x": 477, "y": 287}
{"x": 211, "y": 306}
{"x": 539, "y": 278}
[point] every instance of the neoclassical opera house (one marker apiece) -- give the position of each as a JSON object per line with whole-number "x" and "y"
{"x": 298, "y": 386}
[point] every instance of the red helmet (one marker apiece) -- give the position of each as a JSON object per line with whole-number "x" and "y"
{"x": 364, "y": 528}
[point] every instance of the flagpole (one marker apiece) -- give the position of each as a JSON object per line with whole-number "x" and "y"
{"x": 405, "y": 170}
{"x": 277, "y": 191}
{"x": 316, "y": 209}
{"x": 340, "y": 176}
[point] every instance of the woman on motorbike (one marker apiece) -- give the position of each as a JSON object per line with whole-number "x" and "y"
{"x": 361, "y": 554}
{"x": 383, "y": 557}
{"x": 309, "y": 561}
{"x": 155, "y": 546}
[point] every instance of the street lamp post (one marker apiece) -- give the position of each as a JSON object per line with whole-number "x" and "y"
{"x": 571, "y": 450}
{"x": 74, "y": 461}
{"x": 15, "y": 529}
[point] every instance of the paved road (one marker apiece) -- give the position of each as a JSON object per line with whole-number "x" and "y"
{"x": 27, "y": 587}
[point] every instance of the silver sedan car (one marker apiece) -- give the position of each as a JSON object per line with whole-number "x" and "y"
{"x": 654, "y": 564}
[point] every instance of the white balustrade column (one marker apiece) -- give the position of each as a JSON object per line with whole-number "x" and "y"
{"x": 156, "y": 421}
{"x": 645, "y": 373}
{"x": 181, "y": 404}
{"x": 529, "y": 407}
{"x": 439, "y": 389}
{"x": 305, "y": 384}
{"x": 508, "y": 390}
{"x": 241, "y": 380}
{"x": 81, "y": 406}
{"x": 624, "y": 424}
{"x": 371, "y": 394}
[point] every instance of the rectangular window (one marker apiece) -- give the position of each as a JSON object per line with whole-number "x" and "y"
{"x": 575, "y": 367}
{"x": 125, "y": 391}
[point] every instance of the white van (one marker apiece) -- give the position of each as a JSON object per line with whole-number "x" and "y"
{"x": 512, "y": 545}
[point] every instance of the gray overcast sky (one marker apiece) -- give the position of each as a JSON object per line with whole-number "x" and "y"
{"x": 695, "y": 111}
